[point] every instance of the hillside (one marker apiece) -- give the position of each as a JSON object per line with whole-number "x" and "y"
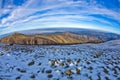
{"x": 102, "y": 35}
{"x": 61, "y": 62}
{"x": 53, "y": 39}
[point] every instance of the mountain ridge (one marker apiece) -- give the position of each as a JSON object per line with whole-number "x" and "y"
{"x": 51, "y": 39}
{"x": 106, "y": 36}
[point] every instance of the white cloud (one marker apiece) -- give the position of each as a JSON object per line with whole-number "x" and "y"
{"x": 68, "y": 9}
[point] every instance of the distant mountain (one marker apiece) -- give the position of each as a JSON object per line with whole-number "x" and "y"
{"x": 49, "y": 39}
{"x": 58, "y": 36}
{"x": 105, "y": 36}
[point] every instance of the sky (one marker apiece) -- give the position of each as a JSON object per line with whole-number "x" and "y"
{"x": 17, "y": 15}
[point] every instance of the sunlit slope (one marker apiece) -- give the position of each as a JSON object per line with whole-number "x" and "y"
{"x": 62, "y": 38}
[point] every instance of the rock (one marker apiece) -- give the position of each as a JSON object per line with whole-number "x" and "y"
{"x": 31, "y": 63}
{"x": 77, "y": 71}
{"x": 97, "y": 55}
{"x": 105, "y": 70}
{"x": 1, "y": 54}
{"x": 115, "y": 71}
{"x": 67, "y": 66}
{"x": 78, "y": 61}
{"x": 18, "y": 78}
{"x": 50, "y": 76}
{"x": 68, "y": 72}
{"x": 69, "y": 60}
{"x": 1, "y": 78}
{"x": 90, "y": 68}
{"x": 106, "y": 78}
{"x": 21, "y": 70}
{"x": 32, "y": 76}
{"x": 48, "y": 71}
{"x": 88, "y": 62}
{"x": 39, "y": 64}
{"x": 52, "y": 63}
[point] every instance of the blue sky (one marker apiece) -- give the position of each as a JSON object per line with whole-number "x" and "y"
{"x": 17, "y": 15}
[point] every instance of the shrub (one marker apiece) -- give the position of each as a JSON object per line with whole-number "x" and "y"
{"x": 5, "y": 47}
{"x": 61, "y": 64}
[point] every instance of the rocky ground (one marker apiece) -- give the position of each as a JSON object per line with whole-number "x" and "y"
{"x": 65, "y": 62}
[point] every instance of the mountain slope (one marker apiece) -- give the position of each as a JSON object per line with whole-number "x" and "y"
{"x": 63, "y": 38}
{"x": 102, "y": 35}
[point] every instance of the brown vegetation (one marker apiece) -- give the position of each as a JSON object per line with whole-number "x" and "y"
{"x": 52, "y": 39}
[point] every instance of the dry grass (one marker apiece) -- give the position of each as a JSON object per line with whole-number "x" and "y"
{"x": 17, "y": 38}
